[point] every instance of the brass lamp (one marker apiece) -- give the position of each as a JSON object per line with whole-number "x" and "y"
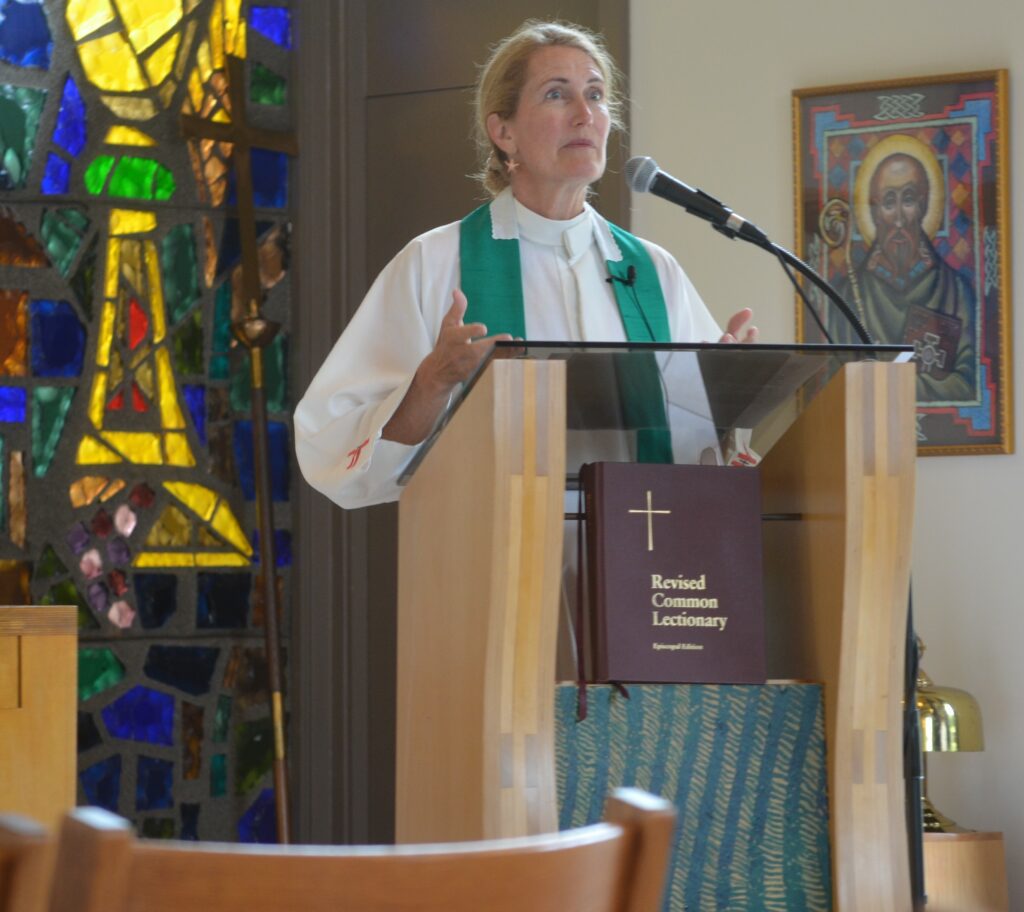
{"x": 950, "y": 721}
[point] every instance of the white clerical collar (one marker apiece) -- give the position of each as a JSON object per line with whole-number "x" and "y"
{"x": 510, "y": 219}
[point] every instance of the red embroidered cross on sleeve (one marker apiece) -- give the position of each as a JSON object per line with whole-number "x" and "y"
{"x": 353, "y": 455}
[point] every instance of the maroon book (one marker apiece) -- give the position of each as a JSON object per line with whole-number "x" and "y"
{"x": 674, "y": 573}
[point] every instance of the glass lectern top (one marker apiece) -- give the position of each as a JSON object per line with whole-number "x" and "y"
{"x": 683, "y": 403}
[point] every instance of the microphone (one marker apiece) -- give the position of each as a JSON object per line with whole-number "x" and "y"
{"x": 644, "y": 176}
{"x": 629, "y": 281}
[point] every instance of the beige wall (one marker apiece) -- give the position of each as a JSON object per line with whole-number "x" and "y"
{"x": 711, "y": 103}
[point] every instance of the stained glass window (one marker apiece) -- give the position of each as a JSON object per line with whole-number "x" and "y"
{"x": 126, "y": 465}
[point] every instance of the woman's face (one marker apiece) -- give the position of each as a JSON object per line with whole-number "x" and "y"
{"x": 559, "y": 132}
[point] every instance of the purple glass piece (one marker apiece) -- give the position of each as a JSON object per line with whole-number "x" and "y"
{"x": 259, "y": 822}
{"x": 24, "y": 34}
{"x": 141, "y": 714}
{"x": 13, "y": 400}
{"x": 273, "y": 22}
{"x": 154, "y": 784}
{"x": 69, "y": 133}
{"x": 57, "y": 175}
{"x": 119, "y": 553}
{"x": 78, "y": 538}
{"x": 98, "y": 595}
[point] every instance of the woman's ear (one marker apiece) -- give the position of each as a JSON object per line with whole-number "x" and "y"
{"x": 500, "y": 133}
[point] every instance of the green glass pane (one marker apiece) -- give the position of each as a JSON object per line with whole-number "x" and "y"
{"x": 222, "y": 719}
{"x": 255, "y": 753}
{"x": 141, "y": 178}
{"x": 218, "y": 775}
{"x": 49, "y": 564}
{"x": 188, "y": 346}
{"x": 180, "y": 270}
{"x": 158, "y": 828}
{"x": 62, "y": 231}
{"x": 66, "y": 593}
{"x": 96, "y": 173}
{"x": 83, "y": 282}
{"x": 275, "y": 379}
{"x": 266, "y": 87}
{"x": 50, "y": 406}
{"x": 20, "y": 109}
{"x": 221, "y": 342}
{"x": 98, "y": 670}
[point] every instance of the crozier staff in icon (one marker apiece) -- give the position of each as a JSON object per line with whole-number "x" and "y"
{"x": 901, "y": 287}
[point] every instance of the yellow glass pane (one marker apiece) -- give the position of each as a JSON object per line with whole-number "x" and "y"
{"x": 128, "y": 136}
{"x": 209, "y": 245}
{"x": 195, "y": 87}
{"x": 166, "y": 93}
{"x": 221, "y": 559}
{"x": 139, "y": 447}
{"x": 113, "y": 255}
{"x": 208, "y": 539}
{"x": 130, "y": 108}
{"x": 116, "y": 486}
{"x": 179, "y": 453}
{"x": 147, "y": 21}
{"x": 203, "y": 65}
{"x": 131, "y": 269}
{"x": 156, "y": 295}
{"x": 110, "y": 63}
{"x": 92, "y": 452}
{"x": 158, "y": 64}
{"x": 116, "y": 369}
{"x": 221, "y": 116}
{"x": 163, "y": 559}
{"x": 186, "y": 46}
{"x": 144, "y": 377}
{"x": 234, "y": 28}
{"x": 85, "y": 16}
{"x": 139, "y": 355}
{"x": 131, "y": 221}
{"x": 170, "y": 410}
{"x": 217, "y": 35}
{"x": 106, "y": 331}
{"x": 198, "y": 499}
{"x": 173, "y": 529}
{"x": 84, "y": 491}
{"x": 225, "y": 524}
{"x": 98, "y": 398}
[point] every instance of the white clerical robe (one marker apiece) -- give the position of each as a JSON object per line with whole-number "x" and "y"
{"x": 338, "y": 423}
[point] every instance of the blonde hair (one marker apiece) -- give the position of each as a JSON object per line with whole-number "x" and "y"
{"x": 503, "y": 75}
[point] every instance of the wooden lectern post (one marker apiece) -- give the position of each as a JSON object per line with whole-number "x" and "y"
{"x": 38, "y": 677}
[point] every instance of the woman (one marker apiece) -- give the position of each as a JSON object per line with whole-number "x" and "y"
{"x": 533, "y": 263}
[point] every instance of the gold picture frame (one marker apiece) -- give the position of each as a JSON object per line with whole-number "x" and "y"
{"x": 902, "y": 203}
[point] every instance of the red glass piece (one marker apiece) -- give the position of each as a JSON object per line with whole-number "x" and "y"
{"x": 118, "y": 582}
{"x": 117, "y": 403}
{"x": 138, "y": 400}
{"x": 142, "y": 496}
{"x": 102, "y": 524}
{"x": 138, "y": 324}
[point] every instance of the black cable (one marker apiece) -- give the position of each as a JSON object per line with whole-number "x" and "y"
{"x": 786, "y": 268}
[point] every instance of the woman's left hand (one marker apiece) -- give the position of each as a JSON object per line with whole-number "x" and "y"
{"x": 738, "y": 328}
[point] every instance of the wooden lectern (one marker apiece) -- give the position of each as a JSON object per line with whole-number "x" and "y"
{"x": 480, "y": 560}
{"x": 38, "y": 701}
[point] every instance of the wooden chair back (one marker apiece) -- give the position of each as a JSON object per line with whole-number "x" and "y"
{"x": 615, "y": 866}
{"x": 26, "y": 854}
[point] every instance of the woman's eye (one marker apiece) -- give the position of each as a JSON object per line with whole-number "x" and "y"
{"x": 597, "y": 94}
{"x": 554, "y": 93}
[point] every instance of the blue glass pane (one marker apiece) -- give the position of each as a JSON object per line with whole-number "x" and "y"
{"x": 154, "y": 784}
{"x": 282, "y": 547}
{"x": 269, "y": 180}
{"x": 88, "y": 732}
{"x": 189, "y": 821}
{"x": 277, "y": 443}
{"x": 24, "y": 35}
{"x": 195, "y": 398}
{"x": 230, "y": 251}
{"x": 223, "y": 599}
{"x": 101, "y": 783}
{"x": 56, "y": 176}
{"x": 13, "y": 401}
{"x": 156, "y": 595}
{"x": 272, "y": 22}
{"x": 141, "y": 714}
{"x": 58, "y": 339}
{"x": 259, "y": 822}
{"x": 189, "y": 668}
{"x": 69, "y": 133}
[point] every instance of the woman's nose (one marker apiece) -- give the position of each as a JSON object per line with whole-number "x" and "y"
{"x": 582, "y": 113}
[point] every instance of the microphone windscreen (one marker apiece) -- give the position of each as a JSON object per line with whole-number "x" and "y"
{"x": 640, "y": 173}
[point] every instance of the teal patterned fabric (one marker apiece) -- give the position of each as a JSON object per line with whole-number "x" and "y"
{"x": 745, "y": 767}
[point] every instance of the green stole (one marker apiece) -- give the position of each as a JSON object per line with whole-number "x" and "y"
{"x": 491, "y": 279}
